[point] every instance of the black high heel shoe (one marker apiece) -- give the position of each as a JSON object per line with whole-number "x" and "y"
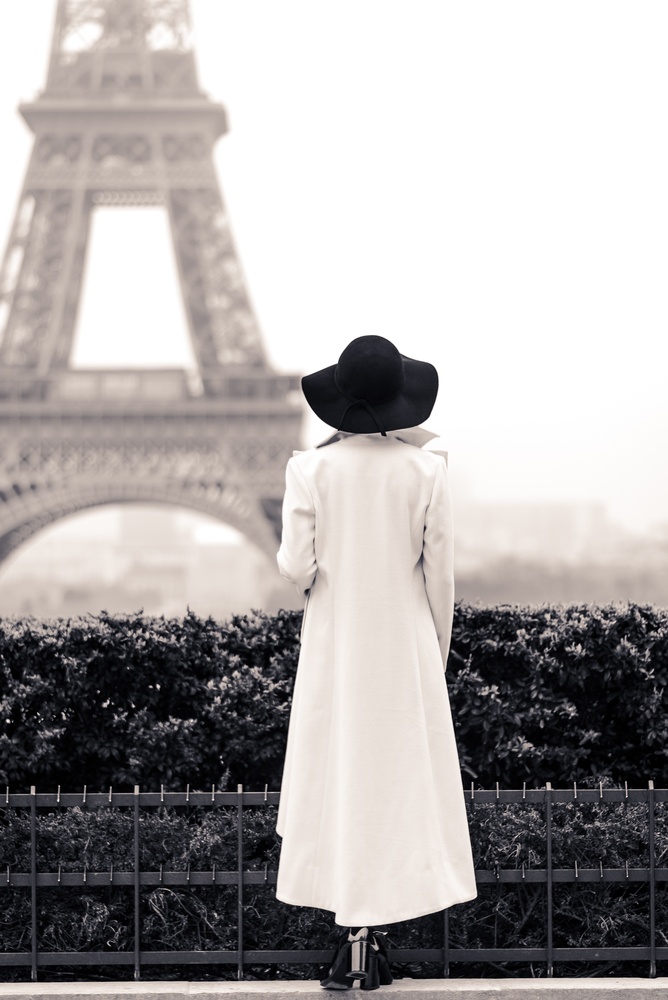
{"x": 378, "y": 973}
{"x": 336, "y": 978}
{"x": 361, "y": 955}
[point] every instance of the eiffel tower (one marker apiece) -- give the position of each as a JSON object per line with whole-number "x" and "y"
{"x": 122, "y": 121}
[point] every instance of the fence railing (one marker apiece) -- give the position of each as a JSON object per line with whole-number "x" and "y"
{"x": 446, "y": 955}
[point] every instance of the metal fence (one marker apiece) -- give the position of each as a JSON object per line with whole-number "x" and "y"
{"x": 547, "y": 797}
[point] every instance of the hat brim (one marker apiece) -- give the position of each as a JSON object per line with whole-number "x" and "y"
{"x": 413, "y": 404}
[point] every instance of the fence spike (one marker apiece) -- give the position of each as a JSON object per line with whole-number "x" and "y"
{"x": 7, "y": 874}
{"x": 600, "y": 865}
{"x": 600, "y": 788}
{"x": 58, "y": 795}
{"x": 627, "y": 869}
{"x": 497, "y": 791}
{"x": 266, "y": 787}
{"x": 111, "y": 872}
{"x": 109, "y": 794}
{"x": 575, "y": 789}
{"x": 213, "y": 793}
{"x": 626, "y": 789}
{"x": 187, "y": 793}
{"x": 213, "y": 877}
{"x": 523, "y": 870}
{"x": 524, "y": 789}
{"x": 576, "y": 869}
{"x": 59, "y": 873}
{"x": 7, "y": 796}
{"x": 84, "y": 795}
{"x": 472, "y": 792}
{"x": 85, "y": 867}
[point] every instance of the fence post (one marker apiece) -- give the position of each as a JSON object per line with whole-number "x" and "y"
{"x": 652, "y": 883}
{"x": 548, "y": 874}
{"x": 136, "y": 882}
{"x": 33, "y": 884}
{"x": 240, "y": 882}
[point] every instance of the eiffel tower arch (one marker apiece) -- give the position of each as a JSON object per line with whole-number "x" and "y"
{"x": 122, "y": 121}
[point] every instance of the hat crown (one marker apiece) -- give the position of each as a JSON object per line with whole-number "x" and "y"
{"x": 370, "y": 368}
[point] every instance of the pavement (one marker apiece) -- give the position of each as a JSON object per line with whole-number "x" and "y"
{"x": 401, "y": 989}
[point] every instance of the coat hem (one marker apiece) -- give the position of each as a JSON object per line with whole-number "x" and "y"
{"x": 375, "y": 921}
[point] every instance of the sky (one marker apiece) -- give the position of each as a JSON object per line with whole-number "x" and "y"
{"x": 482, "y": 183}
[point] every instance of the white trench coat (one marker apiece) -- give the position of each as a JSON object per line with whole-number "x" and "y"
{"x": 372, "y": 814}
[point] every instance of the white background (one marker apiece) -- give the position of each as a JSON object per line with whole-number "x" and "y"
{"x": 484, "y": 183}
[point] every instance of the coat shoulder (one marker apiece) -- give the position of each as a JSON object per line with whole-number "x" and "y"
{"x": 432, "y": 458}
{"x": 428, "y": 461}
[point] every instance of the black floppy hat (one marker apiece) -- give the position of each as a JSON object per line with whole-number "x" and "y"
{"x": 372, "y": 388}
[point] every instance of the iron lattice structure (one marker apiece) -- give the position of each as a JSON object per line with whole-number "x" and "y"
{"x": 122, "y": 121}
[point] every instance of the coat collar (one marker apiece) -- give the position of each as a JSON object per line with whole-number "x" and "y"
{"x": 417, "y": 436}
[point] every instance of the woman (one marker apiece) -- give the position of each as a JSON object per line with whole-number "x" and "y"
{"x": 372, "y": 811}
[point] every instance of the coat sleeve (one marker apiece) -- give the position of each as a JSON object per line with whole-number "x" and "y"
{"x": 296, "y": 556}
{"x": 437, "y": 559}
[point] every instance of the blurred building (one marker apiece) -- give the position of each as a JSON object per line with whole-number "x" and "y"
{"x": 558, "y": 552}
{"x": 542, "y": 532}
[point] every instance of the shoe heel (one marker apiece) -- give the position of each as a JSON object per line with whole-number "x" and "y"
{"x": 359, "y": 959}
{"x": 372, "y": 981}
{"x": 381, "y": 974}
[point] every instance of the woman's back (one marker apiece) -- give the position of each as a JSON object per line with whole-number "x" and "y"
{"x": 374, "y": 544}
{"x": 371, "y": 495}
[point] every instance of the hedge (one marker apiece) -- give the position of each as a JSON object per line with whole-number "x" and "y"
{"x": 553, "y": 693}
